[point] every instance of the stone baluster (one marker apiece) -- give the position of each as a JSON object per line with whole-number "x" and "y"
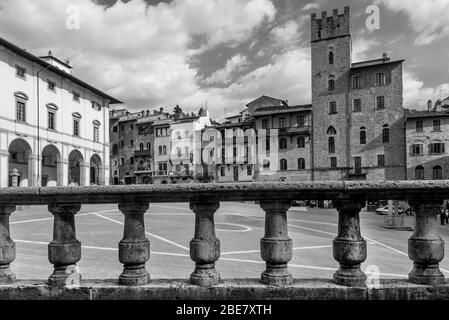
{"x": 65, "y": 250}
{"x": 276, "y": 246}
{"x": 7, "y": 246}
{"x": 349, "y": 246}
{"x": 425, "y": 246}
{"x": 134, "y": 248}
{"x": 205, "y": 246}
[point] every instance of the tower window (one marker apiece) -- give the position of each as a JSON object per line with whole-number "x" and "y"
{"x": 331, "y": 84}
{"x": 381, "y": 160}
{"x": 333, "y": 162}
{"x": 283, "y": 144}
{"x": 332, "y": 107}
{"x": 301, "y": 164}
{"x": 437, "y": 173}
{"x": 331, "y": 145}
{"x": 362, "y": 135}
{"x": 357, "y": 165}
{"x": 331, "y": 57}
{"x": 385, "y": 134}
{"x": 283, "y": 164}
{"x": 301, "y": 142}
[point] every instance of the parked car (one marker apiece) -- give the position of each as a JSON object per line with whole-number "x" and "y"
{"x": 385, "y": 211}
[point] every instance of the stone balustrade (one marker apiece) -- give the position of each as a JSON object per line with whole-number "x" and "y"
{"x": 426, "y": 248}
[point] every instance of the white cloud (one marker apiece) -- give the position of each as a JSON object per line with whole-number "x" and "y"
{"x": 428, "y": 18}
{"x": 362, "y": 48}
{"x": 287, "y": 34}
{"x": 416, "y": 94}
{"x": 138, "y": 53}
{"x": 311, "y": 6}
{"x": 235, "y": 64}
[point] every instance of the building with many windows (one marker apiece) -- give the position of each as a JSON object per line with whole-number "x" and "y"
{"x": 427, "y": 134}
{"x": 358, "y": 114}
{"x": 54, "y": 128}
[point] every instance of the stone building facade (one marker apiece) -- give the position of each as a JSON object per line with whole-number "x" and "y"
{"x": 427, "y": 135}
{"x": 358, "y": 112}
{"x": 54, "y": 128}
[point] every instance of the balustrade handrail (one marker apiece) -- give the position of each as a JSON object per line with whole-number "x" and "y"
{"x": 426, "y": 247}
{"x": 385, "y": 190}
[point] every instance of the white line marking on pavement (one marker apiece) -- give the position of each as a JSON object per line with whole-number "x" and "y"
{"x": 148, "y": 233}
{"x": 246, "y": 229}
{"x": 167, "y": 207}
{"x": 78, "y": 215}
{"x": 107, "y": 249}
{"x": 256, "y": 251}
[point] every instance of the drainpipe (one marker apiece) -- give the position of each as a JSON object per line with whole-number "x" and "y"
{"x": 38, "y": 126}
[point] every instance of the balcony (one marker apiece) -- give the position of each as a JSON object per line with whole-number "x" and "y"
{"x": 425, "y": 246}
{"x": 295, "y": 130}
{"x": 143, "y": 153}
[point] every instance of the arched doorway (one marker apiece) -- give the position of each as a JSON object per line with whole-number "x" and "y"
{"x": 19, "y": 164}
{"x": 51, "y": 172}
{"x": 96, "y": 176}
{"x": 75, "y": 173}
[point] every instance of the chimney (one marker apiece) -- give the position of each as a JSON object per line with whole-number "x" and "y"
{"x": 429, "y": 105}
{"x": 385, "y": 57}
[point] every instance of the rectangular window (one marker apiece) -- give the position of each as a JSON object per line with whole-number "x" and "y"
{"x": 380, "y": 79}
{"x": 381, "y": 160}
{"x": 419, "y": 125}
{"x": 222, "y": 171}
{"x": 96, "y": 134}
{"x": 332, "y": 107}
{"x": 21, "y": 72}
{"x": 417, "y": 149}
{"x": 51, "y": 86}
{"x": 380, "y": 102}
{"x": 265, "y": 124}
{"x": 96, "y": 106}
{"x": 114, "y": 129}
{"x": 122, "y": 144}
{"x": 333, "y": 162}
{"x": 281, "y": 123}
{"x": 21, "y": 116}
{"x": 437, "y": 148}
{"x": 249, "y": 171}
{"x": 436, "y": 125}
{"x": 356, "y": 82}
{"x": 301, "y": 121}
{"x": 132, "y": 160}
{"x": 76, "y": 96}
{"x": 357, "y": 105}
{"x": 132, "y": 143}
{"x": 331, "y": 145}
{"x": 122, "y": 161}
{"x": 51, "y": 120}
{"x": 76, "y": 127}
{"x": 331, "y": 85}
{"x": 357, "y": 165}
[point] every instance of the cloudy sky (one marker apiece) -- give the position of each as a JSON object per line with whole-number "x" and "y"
{"x": 223, "y": 53}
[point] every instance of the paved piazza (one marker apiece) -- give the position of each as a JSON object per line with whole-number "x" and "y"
{"x": 240, "y": 226}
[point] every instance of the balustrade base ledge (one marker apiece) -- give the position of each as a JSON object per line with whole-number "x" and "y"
{"x": 231, "y": 289}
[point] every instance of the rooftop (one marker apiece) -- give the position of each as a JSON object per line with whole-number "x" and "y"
{"x": 372, "y": 63}
{"x": 413, "y": 114}
{"x": 282, "y": 109}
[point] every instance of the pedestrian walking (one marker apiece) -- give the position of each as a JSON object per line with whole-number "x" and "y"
{"x": 442, "y": 214}
{"x": 446, "y": 216}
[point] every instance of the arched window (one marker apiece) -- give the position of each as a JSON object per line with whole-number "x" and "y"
{"x": 141, "y": 147}
{"x": 301, "y": 164}
{"x": 331, "y": 145}
{"x": 331, "y": 131}
{"x": 148, "y": 145}
{"x": 179, "y": 152}
{"x": 362, "y": 135}
{"x": 301, "y": 142}
{"x": 437, "y": 173}
{"x": 385, "y": 134}
{"x": 419, "y": 173}
{"x": 160, "y": 150}
{"x": 283, "y": 144}
{"x": 331, "y": 57}
{"x": 283, "y": 164}
{"x": 165, "y": 150}
{"x": 266, "y": 165}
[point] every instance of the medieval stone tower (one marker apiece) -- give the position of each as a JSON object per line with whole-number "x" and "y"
{"x": 331, "y": 64}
